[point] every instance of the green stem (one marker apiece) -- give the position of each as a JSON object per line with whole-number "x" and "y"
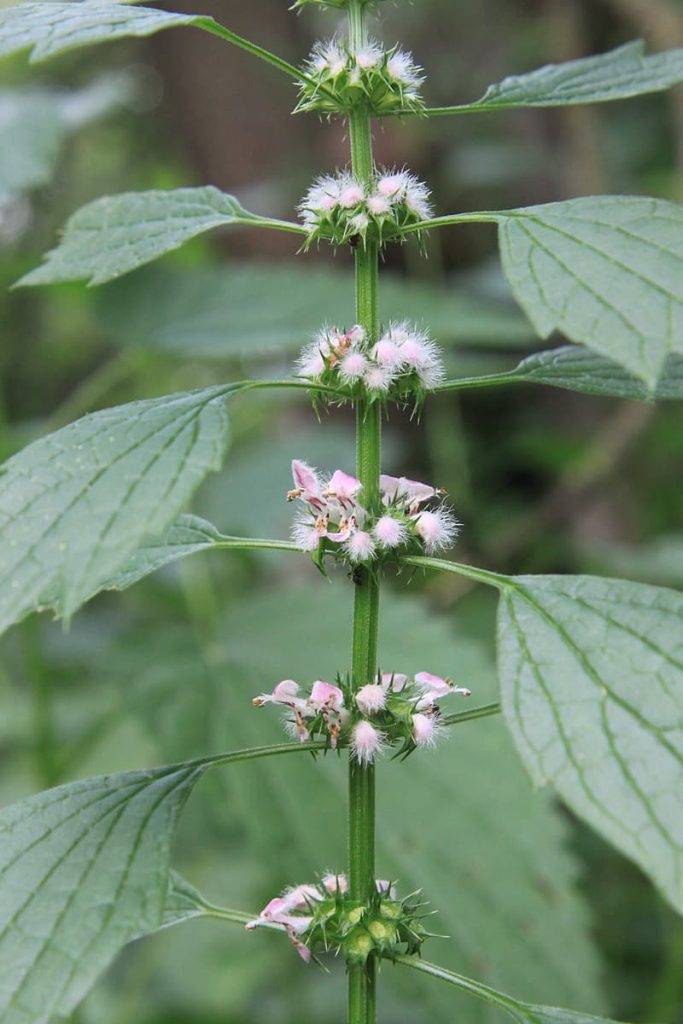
{"x": 362, "y": 978}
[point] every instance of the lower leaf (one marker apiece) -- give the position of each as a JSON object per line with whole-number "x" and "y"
{"x": 85, "y": 869}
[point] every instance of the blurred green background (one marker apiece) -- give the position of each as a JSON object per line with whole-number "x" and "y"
{"x": 543, "y": 480}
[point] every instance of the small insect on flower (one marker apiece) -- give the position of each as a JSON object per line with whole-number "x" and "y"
{"x": 367, "y": 742}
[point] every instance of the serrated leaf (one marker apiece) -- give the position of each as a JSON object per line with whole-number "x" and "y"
{"x": 258, "y": 309}
{"x": 606, "y": 271}
{"x": 116, "y": 234}
{"x": 592, "y": 686}
{"x": 76, "y": 504}
{"x": 578, "y": 369}
{"x": 618, "y": 74}
{"x": 84, "y": 869}
{"x": 189, "y": 535}
{"x": 47, "y": 28}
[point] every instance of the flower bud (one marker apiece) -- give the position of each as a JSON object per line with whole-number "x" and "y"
{"x": 366, "y": 742}
{"x": 371, "y": 698}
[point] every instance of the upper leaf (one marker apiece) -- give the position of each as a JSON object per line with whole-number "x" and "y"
{"x": 84, "y": 869}
{"x": 47, "y": 27}
{"x": 115, "y": 234}
{"x": 592, "y": 686}
{"x": 616, "y": 75}
{"x": 77, "y": 504}
{"x": 606, "y": 271}
{"x": 577, "y": 369}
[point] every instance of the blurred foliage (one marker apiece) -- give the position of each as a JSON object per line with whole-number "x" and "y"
{"x": 543, "y": 480}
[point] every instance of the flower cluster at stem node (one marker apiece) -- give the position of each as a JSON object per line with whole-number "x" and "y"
{"x": 339, "y": 78}
{"x": 324, "y": 918}
{"x": 395, "y": 711}
{"x": 410, "y": 519}
{"x": 341, "y": 209}
{"x": 402, "y": 366}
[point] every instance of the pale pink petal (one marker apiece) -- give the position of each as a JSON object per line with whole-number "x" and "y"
{"x": 326, "y": 695}
{"x": 395, "y": 680}
{"x": 342, "y": 486}
{"x": 371, "y": 698}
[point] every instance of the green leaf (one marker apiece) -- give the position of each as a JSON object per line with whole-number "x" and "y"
{"x": 189, "y": 535}
{"x": 47, "y": 28}
{"x": 523, "y": 1013}
{"x": 615, "y": 75}
{"x": 258, "y": 309}
{"x": 606, "y": 271}
{"x": 115, "y": 234}
{"x": 78, "y": 503}
{"x": 84, "y": 869}
{"x": 50, "y": 27}
{"x": 592, "y": 687}
{"x": 577, "y": 369}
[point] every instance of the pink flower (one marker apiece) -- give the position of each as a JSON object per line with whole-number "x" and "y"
{"x": 434, "y": 688}
{"x": 371, "y": 698}
{"x": 356, "y": 334}
{"x": 387, "y": 352}
{"x": 437, "y": 529}
{"x": 425, "y": 730}
{"x": 307, "y": 485}
{"x": 409, "y": 492}
{"x": 351, "y": 194}
{"x": 417, "y": 198}
{"x": 385, "y": 888}
{"x": 389, "y": 532}
{"x": 432, "y": 685}
{"x": 347, "y": 524}
{"x": 366, "y": 742}
{"x": 342, "y": 487}
{"x": 336, "y": 883}
{"x": 395, "y": 681}
{"x": 379, "y": 205}
{"x": 285, "y": 693}
{"x": 393, "y": 185}
{"x": 305, "y": 532}
{"x": 279, "y": 912}
{"x": 360, "y": 546}
{"x": 325, "y": 695}
{"x": 352, "y": 367}
{"x": 379, "y": 378}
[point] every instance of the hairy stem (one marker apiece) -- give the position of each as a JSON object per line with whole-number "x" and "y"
{"x": 362, "y": 978}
